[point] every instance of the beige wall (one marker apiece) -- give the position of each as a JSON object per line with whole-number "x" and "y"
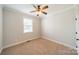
{"x": 60, "y": 26}
{"x": 13, "y": 27}
{"x": 0, "y": 26}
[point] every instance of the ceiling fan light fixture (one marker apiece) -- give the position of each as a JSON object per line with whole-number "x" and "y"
{"x": 38, "y": 13}
{"x": 39, "y": 9}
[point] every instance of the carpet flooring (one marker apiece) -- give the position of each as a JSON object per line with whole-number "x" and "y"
{"x": 39, "y": 47}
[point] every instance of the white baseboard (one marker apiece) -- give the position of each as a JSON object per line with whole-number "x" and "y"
{"x": 77, "y": 50}
{"x": 67, "y": 45}
{"x": 19, "y": 42}
{"x": 1, "y": 50}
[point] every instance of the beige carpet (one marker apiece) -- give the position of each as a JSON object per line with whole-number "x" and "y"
{"x": 39, "y": 47}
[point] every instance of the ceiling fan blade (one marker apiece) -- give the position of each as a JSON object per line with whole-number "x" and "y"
{"x": 34, "y": 6}
{"x": 32, "y": 11}
{"x": 44, "y": 12}
{"x": 45, "y": 7}
{"x": 38, "y": 6}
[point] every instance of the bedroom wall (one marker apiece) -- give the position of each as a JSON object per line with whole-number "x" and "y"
{"x": 60, "y": 26}
{"x": 13, "y": 27}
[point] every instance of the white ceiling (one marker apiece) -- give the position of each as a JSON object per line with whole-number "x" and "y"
{"x": 26, "y": 8}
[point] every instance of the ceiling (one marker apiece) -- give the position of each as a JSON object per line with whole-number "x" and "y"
{"x": 26, "y": 8}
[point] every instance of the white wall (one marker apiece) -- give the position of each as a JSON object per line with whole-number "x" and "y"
{"x": 0, "y": 26}
{"x": 13, "y": 27}
{"x": 60, "y": 26}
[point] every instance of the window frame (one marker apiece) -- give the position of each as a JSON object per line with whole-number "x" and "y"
{"x": 24, "y": 31}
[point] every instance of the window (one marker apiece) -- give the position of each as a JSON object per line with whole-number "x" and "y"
{"x": 27, "y": 25}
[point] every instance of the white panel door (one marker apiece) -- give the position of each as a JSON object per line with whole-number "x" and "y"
{"x": 77, "y": 27}
{"x": 77, "y": 30}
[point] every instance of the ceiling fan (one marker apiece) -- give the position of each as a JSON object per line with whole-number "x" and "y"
{"x": 40, "y": 9}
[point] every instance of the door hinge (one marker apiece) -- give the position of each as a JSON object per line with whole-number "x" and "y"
{"x": 75, "y": 18}
{"x": 76, "y": 33}
{"x": 76, "y": 47}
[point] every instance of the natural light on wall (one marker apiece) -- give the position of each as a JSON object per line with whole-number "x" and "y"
{"x": 28, "y": 25}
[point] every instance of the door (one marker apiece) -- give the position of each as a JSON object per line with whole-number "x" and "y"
{"x": 77, "y": 27}
{"x": 77, "y": 33}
